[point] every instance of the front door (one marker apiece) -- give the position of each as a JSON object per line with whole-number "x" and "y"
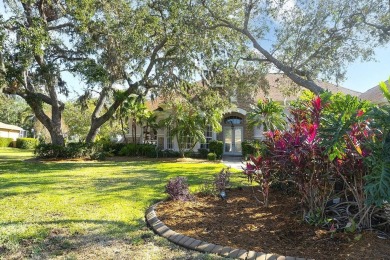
{"x": 232, "y": 138}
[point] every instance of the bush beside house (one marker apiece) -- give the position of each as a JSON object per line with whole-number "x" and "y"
{"x": 26, "y": 143}
{"x": 216, "y": 147}
{"x": 5, "y": 142}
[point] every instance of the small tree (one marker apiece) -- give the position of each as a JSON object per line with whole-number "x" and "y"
{"x": 268, "y": 114}
{"x": 189, "y": 113}
{"x": 187, "y": 126}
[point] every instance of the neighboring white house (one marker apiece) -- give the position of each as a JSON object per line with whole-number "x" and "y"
{"x": 235, "y": 129}
{"x": 11, "y": 131}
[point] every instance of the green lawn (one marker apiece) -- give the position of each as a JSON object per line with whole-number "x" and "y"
{"x": 85, "y": 210}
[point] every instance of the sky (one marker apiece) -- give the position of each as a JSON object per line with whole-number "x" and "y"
{"x": 360, "y": 76}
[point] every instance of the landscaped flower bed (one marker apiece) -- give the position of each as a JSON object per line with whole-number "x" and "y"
{"x": 240, "y": 222}
{"x": 323, "y": 181}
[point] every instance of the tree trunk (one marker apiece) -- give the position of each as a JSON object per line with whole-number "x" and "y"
{"x": 299, "y": 80}
{"x": 134, "y": 130}
{"x": 94, "y": 130}
{"x": 53, "y": 124}
{"x": 180, "y": 146}
{"x": 97, "y": 122}
{"x": 123, "y": 130}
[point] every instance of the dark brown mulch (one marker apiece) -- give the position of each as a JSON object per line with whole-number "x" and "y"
{"x": 239, "y": 223}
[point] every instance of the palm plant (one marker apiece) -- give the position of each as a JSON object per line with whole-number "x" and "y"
{"x": 138, "y": 112}
{"x": 268, "y": 114}
{"x": 186, "y": 124}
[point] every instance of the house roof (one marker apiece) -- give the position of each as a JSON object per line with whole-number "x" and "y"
{"x": 154, "y": 104}
{"x": 282, "y": 88}
{"x": 374, "y": 95}
{"x": 10, "y": 127}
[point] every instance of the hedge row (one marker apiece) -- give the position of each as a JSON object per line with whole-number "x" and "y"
{"x": 72, "y": 150}
{"x": 26, "y": 143}
{"x": 5, "y": 142}
{"x": 100, "y": 150}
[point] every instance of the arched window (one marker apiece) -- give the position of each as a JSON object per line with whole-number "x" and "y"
{"x": 233, "y": 120}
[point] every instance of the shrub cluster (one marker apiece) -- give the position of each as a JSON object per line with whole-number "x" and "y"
{"x": 252, "y": 147}
{"x": 148, "y": 150}
{"x": 111, "y": 147}
{"x": 72, "y": 150}
{"x": 203, "y": 152}
{"x": 216, "y": 147}
{"x": 5, "y": 142}
{"x": 100, "y": 150}
{"x": 168, "y": 153}
{"x": 328, "y": 153}
{"x": 26, "y": 143}
{"x": 211, "y": 156}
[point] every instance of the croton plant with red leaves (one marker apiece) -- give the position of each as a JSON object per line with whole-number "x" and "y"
{"x": 312, "y": 155}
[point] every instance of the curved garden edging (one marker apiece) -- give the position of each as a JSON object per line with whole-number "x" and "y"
{"x": 202, "y": 246}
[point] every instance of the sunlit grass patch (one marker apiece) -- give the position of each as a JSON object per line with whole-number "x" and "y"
{"x": 82, "y": 201}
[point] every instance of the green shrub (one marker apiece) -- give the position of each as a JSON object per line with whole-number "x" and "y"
{"x": 189, "y": 154}
{"x": 128, "y": 150}
{"x": 44, "y": 150}
{"x": 252, "y": 147}
{"x": 169, "y": 153}
{"x": 72, "y": 150}
{"x": 110, "y": 147}
{"x": 211, "y": 156}
{"x": 5, "y": 142}
{"x": 203, "y": 153}
{"x": 196, "y": 155}
{"x": 26, "y": 143}
{"x": 216, "y": 147}
{"x": 148, "y": 150}
{"x": 99, "y": 155}
{"x": 79, "y": 150}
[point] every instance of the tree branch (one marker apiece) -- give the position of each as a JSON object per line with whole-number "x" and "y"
{"x": 248, "y": 10}
{"x": 60, "y": 26}
{"x": 385, "y": 29}
{"x": 255, "y": 59}
{"x": 154, "y": 56}
{"x": 288, "y": 71}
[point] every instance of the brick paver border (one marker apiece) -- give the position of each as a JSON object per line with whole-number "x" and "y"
{"x": 202, "y": 246}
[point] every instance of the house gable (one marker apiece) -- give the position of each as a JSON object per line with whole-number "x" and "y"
{"x": 10, "y": 131}
{"x": 375, "y": 95}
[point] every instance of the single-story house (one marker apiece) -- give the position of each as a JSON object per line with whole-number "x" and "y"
{"x": 234, "y": 126}
{"x": 11, "y": 131}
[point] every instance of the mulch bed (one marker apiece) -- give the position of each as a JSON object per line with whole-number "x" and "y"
{"x": 240, "y": 222}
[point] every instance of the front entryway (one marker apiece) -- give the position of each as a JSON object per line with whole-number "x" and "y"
{"x": 232, "y": 139}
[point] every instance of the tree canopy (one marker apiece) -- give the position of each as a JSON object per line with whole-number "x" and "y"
{"x": 123, "y": 47}
{"x": 304, "y": 39}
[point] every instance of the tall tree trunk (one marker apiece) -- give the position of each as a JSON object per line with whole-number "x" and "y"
{"x": 123, "y": 130}
{"x": 134, "y": 130}
{"x": 54, "y": 124}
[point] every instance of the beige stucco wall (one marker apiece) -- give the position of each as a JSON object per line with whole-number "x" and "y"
{"x": 7, "y": 133}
